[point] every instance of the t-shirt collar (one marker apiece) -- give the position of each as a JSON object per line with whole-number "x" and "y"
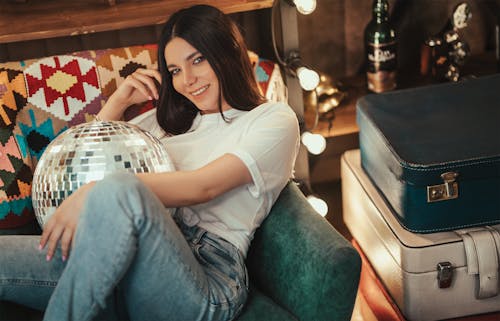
{"x": 211, "y": 118}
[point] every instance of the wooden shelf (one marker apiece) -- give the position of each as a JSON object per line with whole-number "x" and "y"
{"x": 58, "y": 18}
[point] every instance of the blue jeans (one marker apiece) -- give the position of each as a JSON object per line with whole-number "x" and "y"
{"x": 130, "y": 260}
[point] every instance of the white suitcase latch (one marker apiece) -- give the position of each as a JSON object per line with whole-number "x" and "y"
{"x": 482, "y": 250}
{"x": 446, "y": 191}
{"x": 445, "y": 274}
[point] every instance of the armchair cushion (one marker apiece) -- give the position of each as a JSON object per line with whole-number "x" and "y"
{"x": 260, "y": 307}
{"x": 302, "y": 263}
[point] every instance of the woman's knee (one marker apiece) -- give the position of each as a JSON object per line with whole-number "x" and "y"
{"x": 122, "y": 191}
{"x": 117, "y": 186}
{"x": 123, "y": 200}
{"x": 114, "y": 203}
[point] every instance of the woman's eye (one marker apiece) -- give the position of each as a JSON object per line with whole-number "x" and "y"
{"x": 198, "y": 59}
{"x": 174, "y": 72}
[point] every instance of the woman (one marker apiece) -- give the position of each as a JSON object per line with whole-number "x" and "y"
{"x": 130, "y": 259}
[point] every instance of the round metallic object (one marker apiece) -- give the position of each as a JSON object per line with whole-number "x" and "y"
{"x": 88, "y": 152}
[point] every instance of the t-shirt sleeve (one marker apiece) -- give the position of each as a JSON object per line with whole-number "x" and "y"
{"x": 269, "y": 148}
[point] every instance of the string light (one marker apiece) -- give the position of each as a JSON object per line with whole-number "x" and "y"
{"x": 318, "y": 204}
{"x": 305, "y": 7}
{"x": 315, "y": 143}
{"x": 308, "y": 78}
{"x": 293, "y": 66}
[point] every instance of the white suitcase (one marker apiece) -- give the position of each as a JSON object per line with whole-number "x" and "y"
{"x": 430, "y": 276}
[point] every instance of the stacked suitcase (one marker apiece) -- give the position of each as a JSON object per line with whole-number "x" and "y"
{"x": 422, "y": 196}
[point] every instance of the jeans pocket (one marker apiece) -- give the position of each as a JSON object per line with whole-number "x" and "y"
{"x": 224, "y": 270}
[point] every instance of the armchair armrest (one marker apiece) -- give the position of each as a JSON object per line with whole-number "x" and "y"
{"x": 301, "y": 262}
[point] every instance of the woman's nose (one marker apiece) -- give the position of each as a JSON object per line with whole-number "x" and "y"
{"x": 189, "y": 77}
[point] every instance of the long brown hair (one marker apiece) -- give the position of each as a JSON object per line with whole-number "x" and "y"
{"x": 219, "y": 40}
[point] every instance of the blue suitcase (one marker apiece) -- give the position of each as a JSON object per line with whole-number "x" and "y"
{"x": 434, "y": 152}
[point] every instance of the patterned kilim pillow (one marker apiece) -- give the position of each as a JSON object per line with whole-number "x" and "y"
{"x": 41, "y": 98}
{"x": 15, "y": 163}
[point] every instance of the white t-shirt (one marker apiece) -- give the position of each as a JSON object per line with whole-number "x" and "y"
{"x": 266, "y": 139}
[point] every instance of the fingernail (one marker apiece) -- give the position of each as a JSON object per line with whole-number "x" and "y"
{"x": 64, "y": 258}
{"x": 48, "y": 257}
{"x": 40, "y": 247}
{"x": 150, "y": 98}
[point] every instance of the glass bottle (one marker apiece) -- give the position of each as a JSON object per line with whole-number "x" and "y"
{"x": 448, "y": 50}
{"x": 381, "y": 50}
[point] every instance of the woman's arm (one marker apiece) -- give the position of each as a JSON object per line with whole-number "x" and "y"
{"x": 174, "y": 189}
{"x": 138, "y": 87}
{"x": 183, "y": 188}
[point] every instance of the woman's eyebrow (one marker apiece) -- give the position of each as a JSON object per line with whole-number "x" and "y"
{"x": 189, "y": 57}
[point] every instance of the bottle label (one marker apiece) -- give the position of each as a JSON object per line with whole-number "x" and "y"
{"x": 382, "y": 56}
{"x": 381, "y": 81}
{"x": 382, "y": 66}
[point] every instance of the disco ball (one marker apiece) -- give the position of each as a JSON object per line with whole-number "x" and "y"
{"x": 89, "y": 152}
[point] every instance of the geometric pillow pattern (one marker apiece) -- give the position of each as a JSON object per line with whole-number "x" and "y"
{"x": 270, "y": 81}
{"x": 15, "y": 163}
{"x": 62, "y": 85}
{"x": 41, "y": 98}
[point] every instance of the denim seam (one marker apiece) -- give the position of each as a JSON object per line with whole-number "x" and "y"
{"x": 28, "y": 282}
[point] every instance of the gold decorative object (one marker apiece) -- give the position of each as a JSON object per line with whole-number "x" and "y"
{"x": 322, "y": 101}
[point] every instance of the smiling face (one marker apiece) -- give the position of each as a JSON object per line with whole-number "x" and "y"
{"x": 192, "y": 76}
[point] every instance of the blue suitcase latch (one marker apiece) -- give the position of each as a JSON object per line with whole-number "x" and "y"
{"x": 446, "y": 191}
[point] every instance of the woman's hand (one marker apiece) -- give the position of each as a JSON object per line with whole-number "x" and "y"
{"x": 137, "y": 88}
{"x": 62, "y": 224}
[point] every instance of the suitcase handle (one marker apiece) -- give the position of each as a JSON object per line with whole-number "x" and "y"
{"x": 482, "y": 250}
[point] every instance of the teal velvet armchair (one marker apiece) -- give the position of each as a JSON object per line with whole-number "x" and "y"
{"x": 300, "y": 267}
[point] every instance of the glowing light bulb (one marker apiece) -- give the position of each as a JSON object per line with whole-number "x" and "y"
{"x": 315, "y": 143}
{"x": 308, "y": 79}
{"x": 318, "y": 204}
{"x": 305, "y": 6}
